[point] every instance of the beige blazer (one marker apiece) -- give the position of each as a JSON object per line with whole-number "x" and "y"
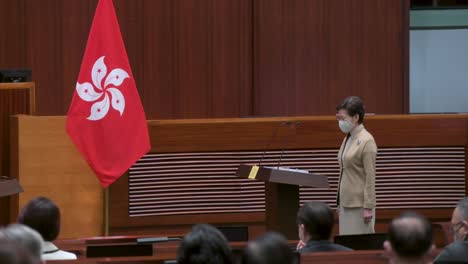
{"x": 357, "y": 170}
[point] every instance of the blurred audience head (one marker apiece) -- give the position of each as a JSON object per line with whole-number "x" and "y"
{"x": 204, "y": 244}
{"x": 12, "y": 252}
{"x": 270, "y": 248}
{"x": 409, "y": 239}
{"x": 42, "y": 215}
{"x": 459, "y": 222}
{"x": 26, "y": 237}
{"x": 315, "y": 221}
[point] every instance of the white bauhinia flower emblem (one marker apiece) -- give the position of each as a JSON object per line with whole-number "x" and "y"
{"x": 88, "y": 93}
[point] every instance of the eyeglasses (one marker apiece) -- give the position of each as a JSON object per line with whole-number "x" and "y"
{"x": 454, "y": 229}
{"x": 341, "y": 117}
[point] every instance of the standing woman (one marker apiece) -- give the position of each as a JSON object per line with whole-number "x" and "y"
{"x": 356, "y": 186}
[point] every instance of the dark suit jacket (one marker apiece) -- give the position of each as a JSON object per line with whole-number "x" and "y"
{"x": 456, "y": 252}
{"x": 322, "y": 246}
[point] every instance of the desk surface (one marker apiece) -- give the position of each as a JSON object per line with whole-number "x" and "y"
{"x": 168, "y": 251}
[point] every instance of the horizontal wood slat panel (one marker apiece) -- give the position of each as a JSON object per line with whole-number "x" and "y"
{"x": 205, "y": 182}
{"x": 412, "y": 178}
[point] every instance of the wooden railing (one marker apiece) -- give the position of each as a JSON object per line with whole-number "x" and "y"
{"x": 168, "y": 251}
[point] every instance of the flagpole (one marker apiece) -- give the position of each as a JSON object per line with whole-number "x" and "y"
{"x": 106, "y": 211}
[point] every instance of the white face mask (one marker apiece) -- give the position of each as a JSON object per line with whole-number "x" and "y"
{"x": 345, "y": 126}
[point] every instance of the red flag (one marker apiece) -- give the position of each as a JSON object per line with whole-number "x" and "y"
{"x": 106, "y": 120}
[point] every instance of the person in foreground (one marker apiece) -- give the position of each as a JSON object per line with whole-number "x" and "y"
{"x": 409, "y": 240}
{"x": 356, "y": 187}
{"x": 24, "y": 237}
{"x": 315, "y": 222}
{"x": 457, "y": 252}
{"x": 43, "y": 215}
{"x": 270, "y": 248}
{"x": 204, "y": 245}
{"x": 13, "y": 253}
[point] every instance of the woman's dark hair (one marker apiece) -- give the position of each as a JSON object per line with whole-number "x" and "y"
{"x": 42, "y": 215}
{"x": 270, "y": 248}
{"x": 354, "y": 106}
{"x": 318, "y": 220}
{"x": 204, "y": 245}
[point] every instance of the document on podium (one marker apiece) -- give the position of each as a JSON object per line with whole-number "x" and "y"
{"x": 288, "y": 169}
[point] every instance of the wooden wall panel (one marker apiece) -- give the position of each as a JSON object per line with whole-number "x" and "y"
{"x": 46, "y": 163}
{"x": 213, "y": 58}
{"x": 256, "y": 133}
{"x": 43, "y": 37}
{"x": 160, "y": 60}
{"x": 12, "y": 44}
{"x": 190, "y": 59}
{"x": 232, "y": 71}
{"x": 223, "y": 58}
{"x": 309, "y": 55}
{"x": 75, "y": 25}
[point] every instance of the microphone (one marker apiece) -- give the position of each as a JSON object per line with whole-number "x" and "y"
{"x": 285, "y": 142}
{"x": 272, "y": 139}
{"x": 152, "y": 240}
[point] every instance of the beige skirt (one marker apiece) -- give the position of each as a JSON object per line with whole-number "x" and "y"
{"x": 351, "y": 222}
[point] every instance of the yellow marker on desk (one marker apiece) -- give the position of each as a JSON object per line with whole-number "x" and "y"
{"x": 253, "y": 172}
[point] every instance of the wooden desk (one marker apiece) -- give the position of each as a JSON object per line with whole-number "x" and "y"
{"x": 350, "y": 257}
{"x": 129, "y": 260}
{"x": 358, "y": 257}
{"x": 166, "y": 250}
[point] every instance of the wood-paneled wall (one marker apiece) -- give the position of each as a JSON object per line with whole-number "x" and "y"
{"x": 223, "y": 58}
{"x": 308, "y": 55}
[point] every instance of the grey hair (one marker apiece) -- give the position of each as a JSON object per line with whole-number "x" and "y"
{"x": 25, "y": 236}
{"x": 463, "y": 207}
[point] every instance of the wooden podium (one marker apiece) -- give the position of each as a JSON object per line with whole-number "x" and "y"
{"x": 282, "y": 195}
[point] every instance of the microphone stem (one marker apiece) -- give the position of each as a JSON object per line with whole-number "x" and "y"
{"x": 285, "y": 143}
{"x": 269, "y": 143}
